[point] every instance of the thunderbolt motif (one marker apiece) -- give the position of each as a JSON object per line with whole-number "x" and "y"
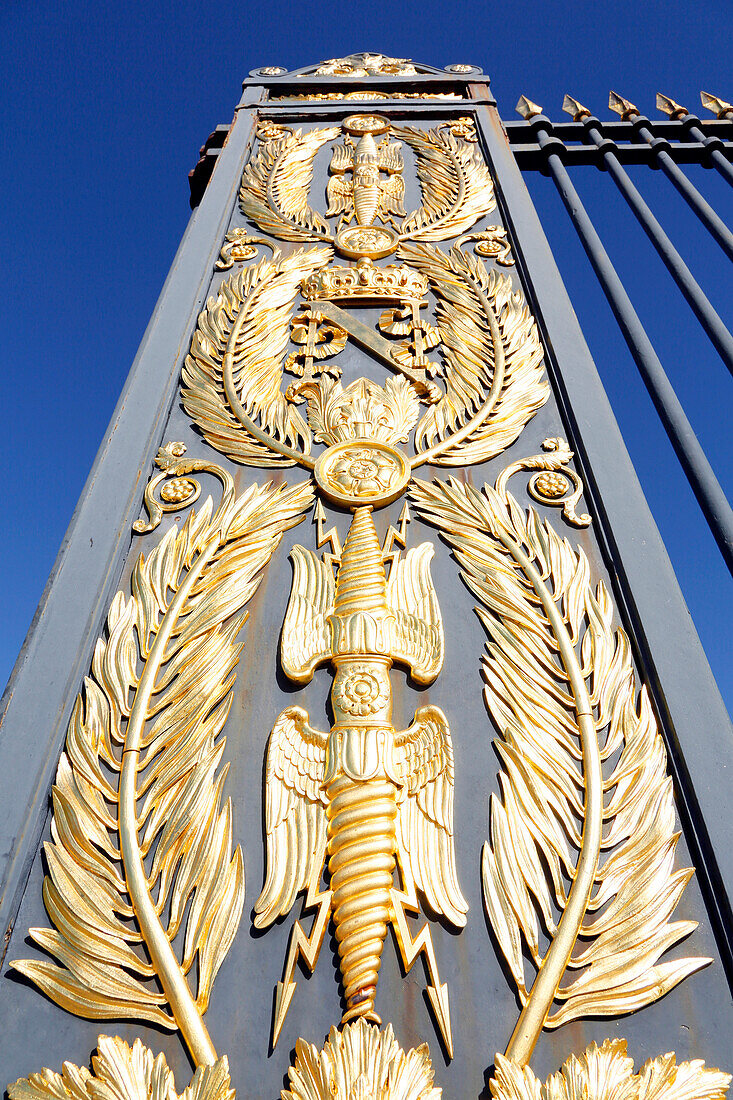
{"x": 371, "y": 799}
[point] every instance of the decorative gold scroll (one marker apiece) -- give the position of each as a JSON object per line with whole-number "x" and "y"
{"x": 584, "y": 788}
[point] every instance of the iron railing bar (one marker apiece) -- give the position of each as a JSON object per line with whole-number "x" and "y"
{"x": 680, "y": 272}
{"x": 699, "y": 472}
{"x": 712, "y": 222}
{"x": 713, "y": 144}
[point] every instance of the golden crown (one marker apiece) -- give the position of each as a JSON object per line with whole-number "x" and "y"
{"x": 394, "y": 283}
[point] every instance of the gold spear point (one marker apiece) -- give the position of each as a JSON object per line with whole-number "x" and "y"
{"x": 668, "y": 106}
{"x": 621, "y": 106}
{"x": 713, "y": 103}
{"x": 526, "y": 108}
{"x": 572, "y": 107}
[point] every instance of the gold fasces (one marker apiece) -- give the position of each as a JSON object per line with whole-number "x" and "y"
{"x": 669, "y": 107}
{"x": 575, "y": 109}
{"x": 371, "y": 798}
{"x": 561, "y": 687}
{"x": 623, "y": 107}
{"x": 125, "y": 1073}
{"x": 607, "y": 1073}
{"x": 526, "y": 108}
{"x": 140, "y": 855}
{"x": 361, "y": 1062}
{"x": 493, "y": 360}
{"x": 233, "y": 372}
{"x": 717, "y": 106}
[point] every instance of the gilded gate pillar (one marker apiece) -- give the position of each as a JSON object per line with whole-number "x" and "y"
{"x": 351, "y": 778}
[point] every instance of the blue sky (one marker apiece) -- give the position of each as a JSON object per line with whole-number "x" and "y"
{"x": 105, "y": 107}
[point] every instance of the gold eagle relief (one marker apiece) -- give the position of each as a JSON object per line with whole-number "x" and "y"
{"x": 366, "y": 796}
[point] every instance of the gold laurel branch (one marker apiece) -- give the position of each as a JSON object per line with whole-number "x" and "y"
{"x": 141, "y": 848}
{"x": 232, "y": 375}
{"x": 585, "y": 795}
{"x": 606, "y": 1073}
{"x": 457, "y": 188}
{"x": 276, "y": 183}
{"x": 494, "y": 367}
{"x": 125, "y": 1073}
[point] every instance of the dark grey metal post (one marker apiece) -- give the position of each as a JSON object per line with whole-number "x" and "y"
{"x": 712, "y": 222}
{"x": 701, "y": 307}
{"x": 705, "y": 485}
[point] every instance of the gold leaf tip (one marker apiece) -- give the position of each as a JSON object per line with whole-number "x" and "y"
{"x": 713, "y": 103}
{"x": 575, "y": 109}
{"x": 623, "y": 107}
{"x": 526, "y": 108}
{"x": 669, "y": 107}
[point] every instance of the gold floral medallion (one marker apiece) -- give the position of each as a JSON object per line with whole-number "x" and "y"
{"x": 362, "y": 472}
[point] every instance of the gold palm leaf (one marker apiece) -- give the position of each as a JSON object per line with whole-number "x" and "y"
{"x": 276, "y": 183}
{"x": 493, "y": 360}
{"x": 233, "y": 372}
{"x": 457, "y": 188}
{"x": 585, "y": 795}
{"x": 142, "y": 882}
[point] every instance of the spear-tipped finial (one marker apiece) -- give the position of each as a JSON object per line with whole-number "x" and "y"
{"x": 668, "y": 106}
{"x": 526, "y": 108}
{"x": 621, "y": 106}
{"x": 715, "y": 104}
{"x": 578, "y": 112}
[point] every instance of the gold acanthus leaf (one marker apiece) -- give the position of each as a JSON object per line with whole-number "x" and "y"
{"x": 493, "y": 360}
{"x": 585, "y": 795}
{"x": 122, "y": 1072}
{"x": 359, "y": 1062}
{"x": 362, "y": 410}
{"x": 276, "y": 183}
{"x": 457, "y": 188}
{"x": 607, "y": 1073}
{"x": 141, "y": 848}
{"x": 233, "y": 372}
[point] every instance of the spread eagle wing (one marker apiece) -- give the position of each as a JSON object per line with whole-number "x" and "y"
{"x": 424, "y": 759}
{"x": 390, "y": 157}
{"x": 306, "y": 635}
{"x": 276, "y": 183}
{"x": 340, "y": 195}
{"x": 295, "y": 813}
{"x": 493, "y": 359}
{"x": 417, "y": 630}
{"x": 457, "y": 188}
{"x": 392, "y": 192}
{"x": 342, "y": 158}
